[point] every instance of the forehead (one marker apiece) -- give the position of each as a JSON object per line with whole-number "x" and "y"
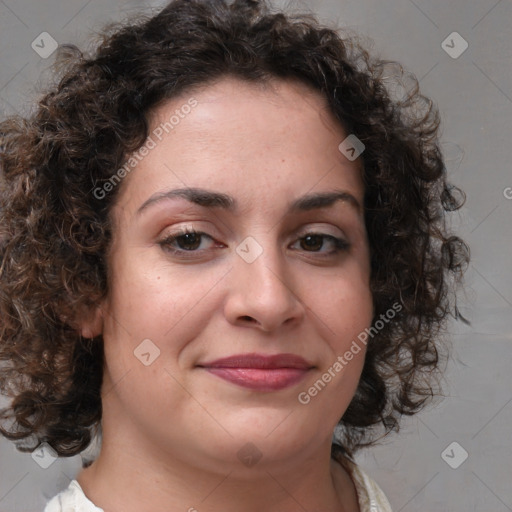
{"x": 261, "y": 107}
{"x": 245, "y": 139}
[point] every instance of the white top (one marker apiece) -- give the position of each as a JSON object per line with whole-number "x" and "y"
{"x": 369, "y": 494}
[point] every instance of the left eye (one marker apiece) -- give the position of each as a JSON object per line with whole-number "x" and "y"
{"x": 316, "y": 240}
{"x": 189, "y": 241}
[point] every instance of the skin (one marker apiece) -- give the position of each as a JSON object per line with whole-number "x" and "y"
{"x": 172, "y": 430}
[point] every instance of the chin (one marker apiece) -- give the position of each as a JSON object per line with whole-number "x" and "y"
{"x": 265, "y": 444}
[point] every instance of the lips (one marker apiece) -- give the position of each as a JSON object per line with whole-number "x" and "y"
{"x": 259, "y": 371}
{"x": 261, "y": 361}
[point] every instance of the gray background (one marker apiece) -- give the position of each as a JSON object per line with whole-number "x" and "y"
{"x": 474, "y": 95}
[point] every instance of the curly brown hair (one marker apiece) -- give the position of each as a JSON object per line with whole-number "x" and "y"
{"x": 55, "y": 231}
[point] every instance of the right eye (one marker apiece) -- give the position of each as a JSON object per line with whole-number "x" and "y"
{"x": 183, "y": 241}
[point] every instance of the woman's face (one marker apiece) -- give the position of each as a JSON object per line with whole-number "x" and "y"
{"x": 253, "y": 284}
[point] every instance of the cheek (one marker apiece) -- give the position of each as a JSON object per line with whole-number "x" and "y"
{"x": 345, "y": 307}
{"x": 161, "y": 302}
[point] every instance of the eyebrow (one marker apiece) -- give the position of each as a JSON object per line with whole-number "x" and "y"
{"x": 212, "y": 199}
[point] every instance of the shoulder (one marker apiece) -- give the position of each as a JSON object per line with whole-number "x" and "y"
{"x": 370, "y": 496}
{"x": 71, "y": 499}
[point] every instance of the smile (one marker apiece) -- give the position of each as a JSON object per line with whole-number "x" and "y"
{"x": 260, "y": 372}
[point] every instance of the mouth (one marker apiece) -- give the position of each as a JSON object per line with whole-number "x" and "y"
{"x": 260, "y": 372}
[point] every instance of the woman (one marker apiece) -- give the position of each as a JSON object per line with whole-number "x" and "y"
{"x": 223, "y": 237}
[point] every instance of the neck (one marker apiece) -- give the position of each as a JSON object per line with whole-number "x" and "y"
{"x": 139, "y": 476}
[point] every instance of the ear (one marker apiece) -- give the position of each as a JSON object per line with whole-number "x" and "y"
{"x": 90, "y": 324}
{"x": 88, "y": 321}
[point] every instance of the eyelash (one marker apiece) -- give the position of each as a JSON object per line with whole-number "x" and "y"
{"x": 339, "y": 244}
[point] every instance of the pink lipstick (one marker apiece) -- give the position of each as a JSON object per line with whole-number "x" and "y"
{"x": 260, "y": 372}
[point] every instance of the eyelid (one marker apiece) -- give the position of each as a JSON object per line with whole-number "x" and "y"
{"x": 340, "y": 243}
{"x": 320, "y": 227}
{"x": 191, "y": 226}
{"x": 317, "y": 228}
{"x": 324, "y": 229}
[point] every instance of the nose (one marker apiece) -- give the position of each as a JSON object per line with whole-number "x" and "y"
{"x": 261, "y": 293}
